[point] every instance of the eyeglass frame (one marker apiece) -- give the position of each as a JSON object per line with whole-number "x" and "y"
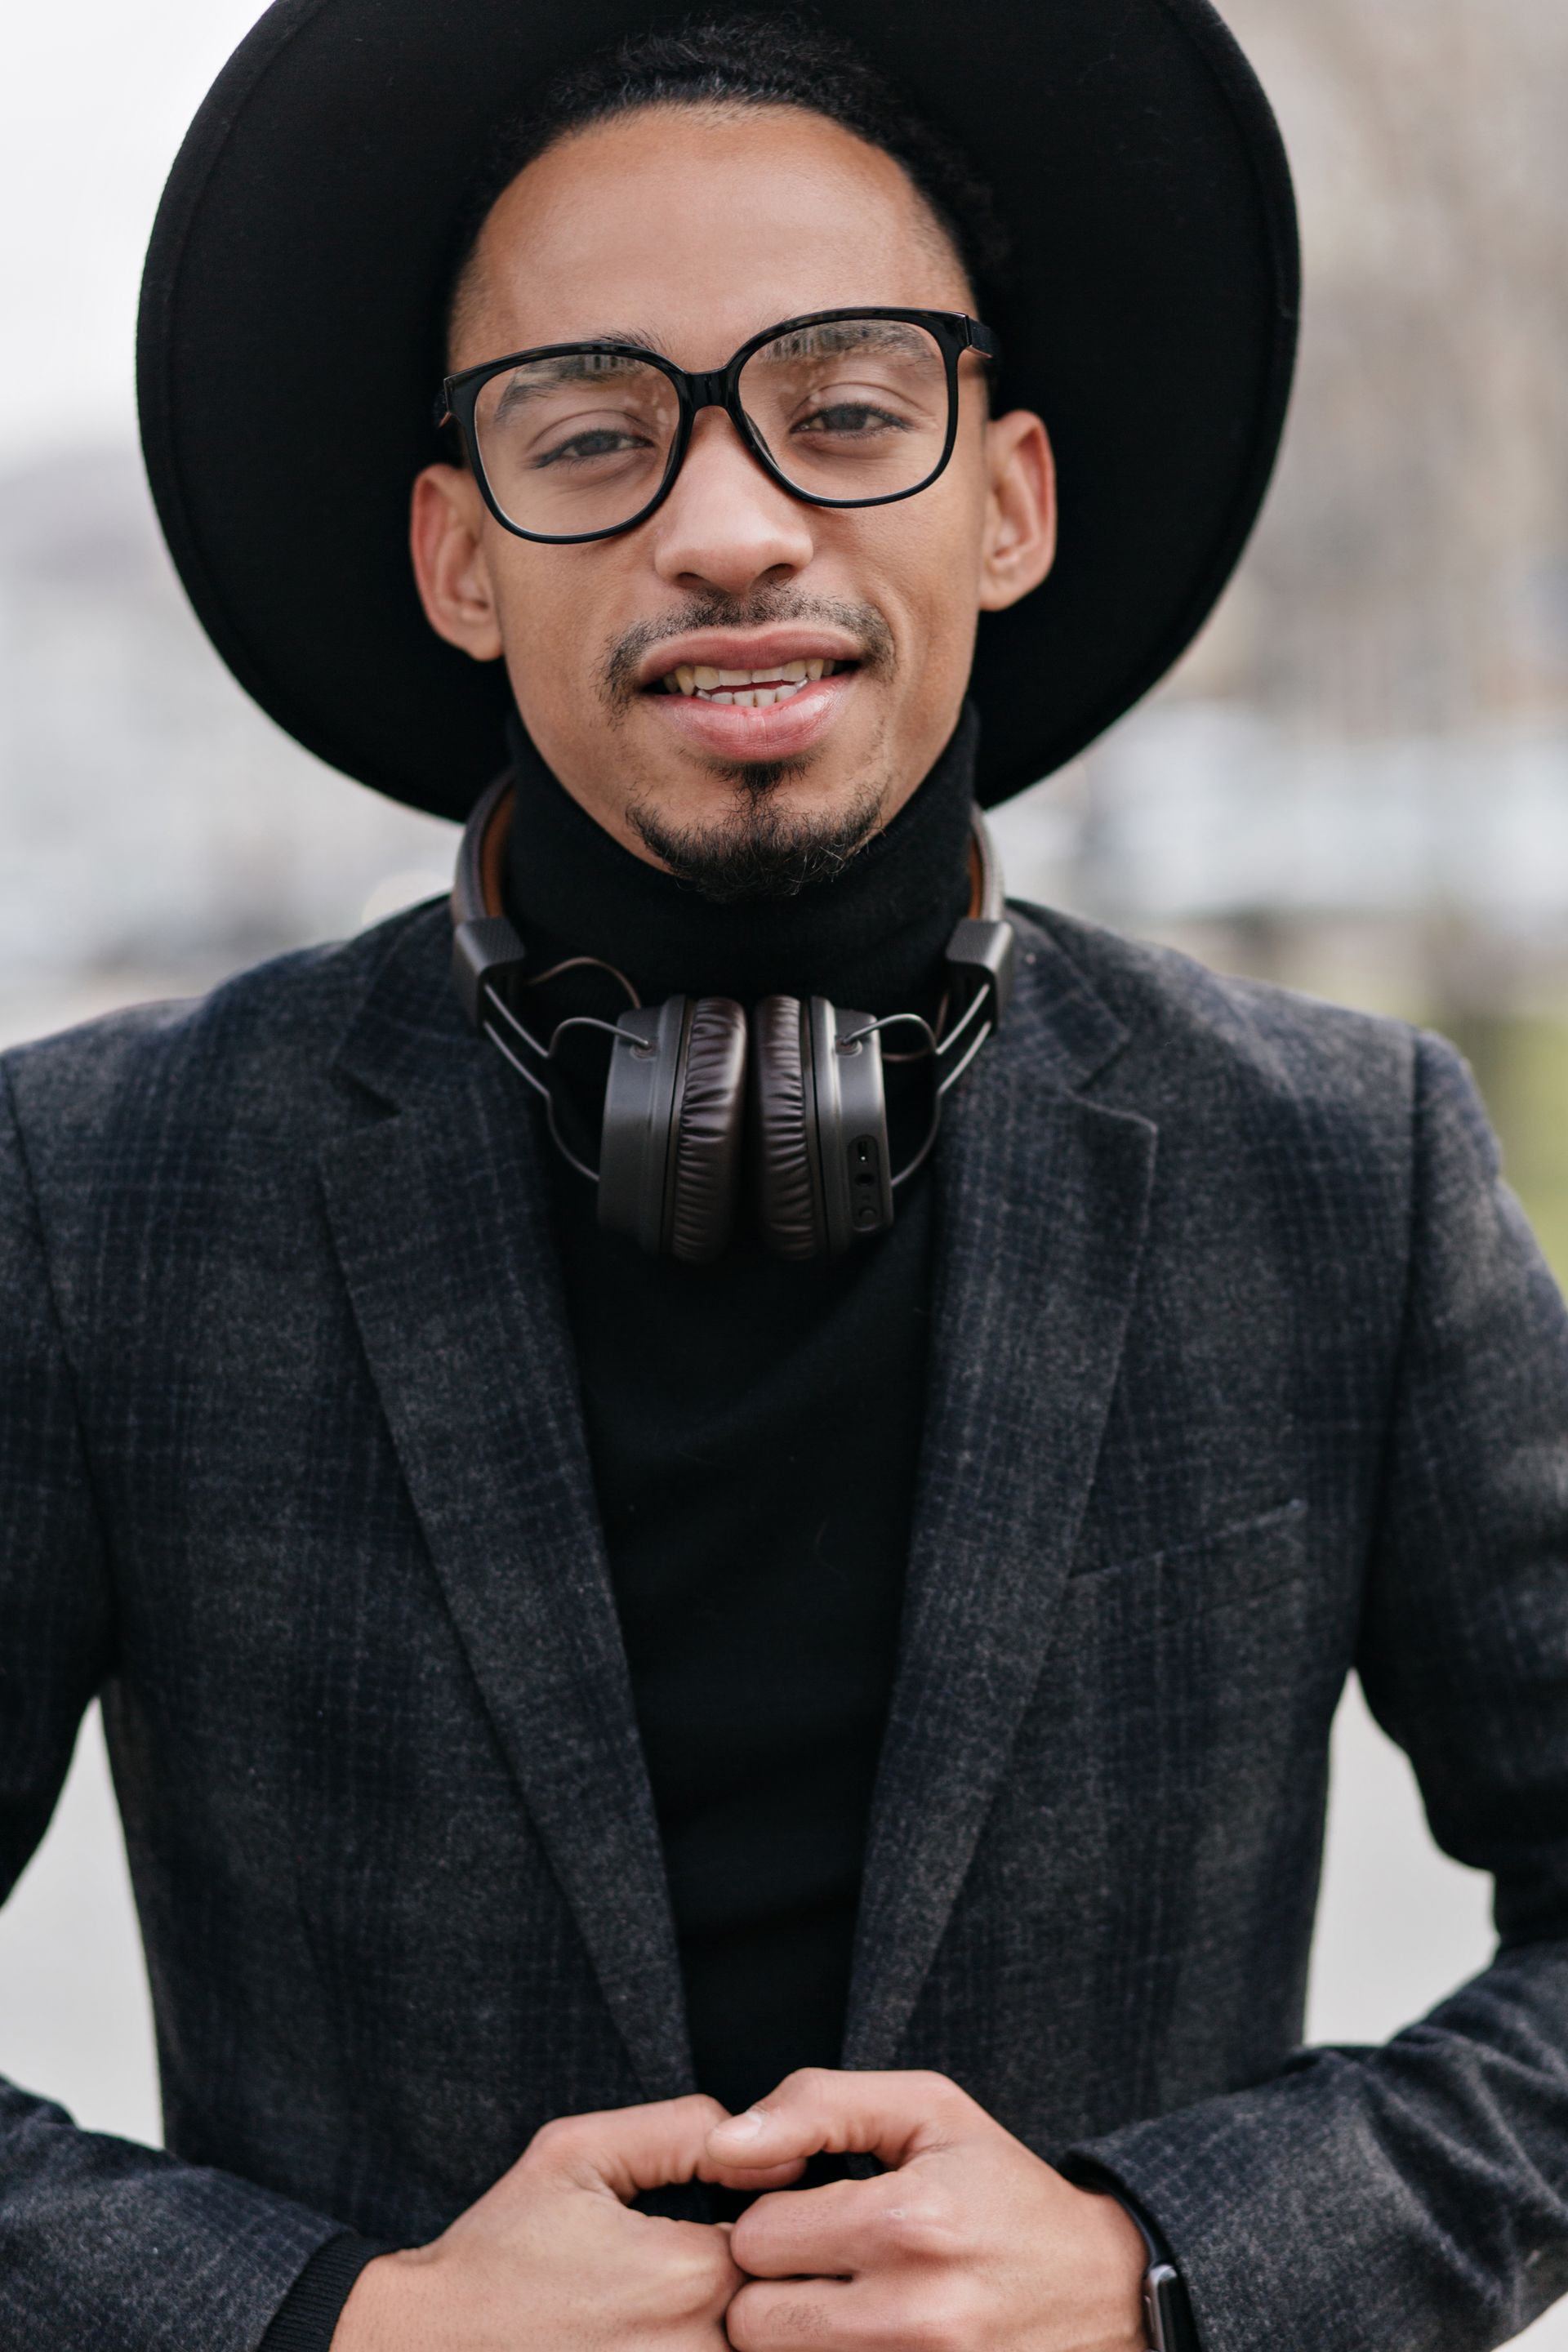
{"x": 953, "y": 332}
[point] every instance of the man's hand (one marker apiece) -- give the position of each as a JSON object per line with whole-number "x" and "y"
{"x": 971, "y": 2245}
{"x": 551, "y": 2255}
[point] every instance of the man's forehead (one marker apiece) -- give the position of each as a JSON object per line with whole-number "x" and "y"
{"x": 678, "y": 214}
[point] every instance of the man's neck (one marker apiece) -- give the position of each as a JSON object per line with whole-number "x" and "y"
{"x": 871, "y": 936}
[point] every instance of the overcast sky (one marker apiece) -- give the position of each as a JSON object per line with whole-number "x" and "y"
{"x": 94, "y": 101}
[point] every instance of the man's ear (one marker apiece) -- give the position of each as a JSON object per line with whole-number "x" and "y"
{"x": 1019, "y": 544}
{"x": 445, "y": 524}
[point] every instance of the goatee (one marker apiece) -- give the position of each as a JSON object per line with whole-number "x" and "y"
{"x": 759, "y": 849}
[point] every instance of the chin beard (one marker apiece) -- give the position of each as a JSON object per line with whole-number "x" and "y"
{"x": 758, "y": 850}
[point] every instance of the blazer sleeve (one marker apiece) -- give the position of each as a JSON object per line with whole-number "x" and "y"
{"x": 1417, "y": 2195}
{"x": 101, "y": 2242}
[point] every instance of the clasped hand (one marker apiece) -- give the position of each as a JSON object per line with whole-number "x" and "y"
{"x": 967, "y": 2243}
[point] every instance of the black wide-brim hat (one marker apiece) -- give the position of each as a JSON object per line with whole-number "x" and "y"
{"x": 288, "y": 349}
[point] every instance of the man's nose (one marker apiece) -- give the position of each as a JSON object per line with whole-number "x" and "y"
{"x": 725, "y": 526}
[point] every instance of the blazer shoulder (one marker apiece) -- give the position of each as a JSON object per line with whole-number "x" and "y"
{"x": 257, "y": 1048}
{"x": 1197, "y": 1037}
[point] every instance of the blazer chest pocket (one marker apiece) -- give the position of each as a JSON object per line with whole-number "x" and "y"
{"x": 1185, "y": 1673}
{"x": 1235, "y": 1563}
{"x": 1168, "y": 1778}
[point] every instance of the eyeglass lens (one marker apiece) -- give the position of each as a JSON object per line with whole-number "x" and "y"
{"x": 850, "y": 408}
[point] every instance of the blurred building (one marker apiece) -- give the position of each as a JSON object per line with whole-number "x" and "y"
{"x": 151, "y": 819}
{"x": 1357, "y": 781}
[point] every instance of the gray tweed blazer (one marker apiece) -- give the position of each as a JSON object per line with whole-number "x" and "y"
{"x": 1245, "y": 1370}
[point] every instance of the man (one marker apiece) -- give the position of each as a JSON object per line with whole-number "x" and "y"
{"x": 762, "y": 1787}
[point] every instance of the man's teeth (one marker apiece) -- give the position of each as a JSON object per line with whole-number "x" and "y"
{"x": 747, "y": 690}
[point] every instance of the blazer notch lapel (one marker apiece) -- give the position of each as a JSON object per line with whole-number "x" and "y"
{"x": 1044, "y": 1203}
{"x": 440, "y": 1221}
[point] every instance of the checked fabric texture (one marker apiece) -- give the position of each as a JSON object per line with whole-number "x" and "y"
{"x": 1245, "y": 1370}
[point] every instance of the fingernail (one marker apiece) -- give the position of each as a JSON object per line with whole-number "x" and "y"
{"x": 741, "y": 2128}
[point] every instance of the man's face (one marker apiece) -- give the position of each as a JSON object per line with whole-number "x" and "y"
{"x": 690, "y": 230}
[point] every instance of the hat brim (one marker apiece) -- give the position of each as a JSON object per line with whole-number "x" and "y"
{"x": 288, "y": 348}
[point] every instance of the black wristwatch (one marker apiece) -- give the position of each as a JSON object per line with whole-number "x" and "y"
{"x": 1167, "y": 2310}
{"x": 1167, "y": 2313}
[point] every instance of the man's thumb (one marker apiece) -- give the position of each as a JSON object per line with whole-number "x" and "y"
{"x": 886, "y": 2116}
{"x": 625, "y": 2149}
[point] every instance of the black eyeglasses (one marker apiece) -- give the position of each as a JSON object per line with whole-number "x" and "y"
{"x": 841, "y": 408}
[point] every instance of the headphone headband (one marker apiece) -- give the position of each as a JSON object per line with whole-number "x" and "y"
{"x": 987, "y": 900}
{"x": 485, "y": 945}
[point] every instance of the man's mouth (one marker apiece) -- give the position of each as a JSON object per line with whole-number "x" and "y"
{"x": 755, "y": 695}
{"x": 746, "y": 690}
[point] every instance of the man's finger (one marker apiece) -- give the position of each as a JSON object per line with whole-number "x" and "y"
{"x": 753, "y": 2178}
{"x": 893, "y": 2117}
{"x": 624, "y": 2149}
{"x": 769, "y": 2316}
{"x": 825, "y": 2314}
{"x": 832, "y": 2233}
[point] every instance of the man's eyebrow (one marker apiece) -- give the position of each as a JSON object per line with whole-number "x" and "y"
{"x": 572, "y": 364}
{"x": 642, "y": 339}
{"x": 636, "y": 339}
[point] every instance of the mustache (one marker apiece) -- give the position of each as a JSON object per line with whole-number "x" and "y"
{"x": 618, "y": 675}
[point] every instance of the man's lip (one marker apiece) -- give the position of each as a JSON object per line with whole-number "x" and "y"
{"x": 784, "y": 731}
{"x": 754, "y": 649}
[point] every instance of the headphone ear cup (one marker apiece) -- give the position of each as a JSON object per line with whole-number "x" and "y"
{"x": 705, "y": 1145}
{"x": 786, "y": 1169}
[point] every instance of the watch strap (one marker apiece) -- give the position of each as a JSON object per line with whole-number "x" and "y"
{"x": 1167, "y": 2307}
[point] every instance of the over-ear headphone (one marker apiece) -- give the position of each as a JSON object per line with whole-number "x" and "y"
{"x": 695, "y": 1091}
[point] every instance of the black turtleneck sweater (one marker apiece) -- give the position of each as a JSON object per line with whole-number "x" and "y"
{"x": 754, "y": 1430}
{"x": 754, "y": 1427}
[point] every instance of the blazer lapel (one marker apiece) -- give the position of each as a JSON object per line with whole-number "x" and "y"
{"x": 440, "y": 1214}
{"x": 1043, "y": 1202}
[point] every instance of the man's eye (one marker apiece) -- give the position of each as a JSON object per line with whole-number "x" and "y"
{"x": 602, "y": 441}
{"x": 851, "y": 417}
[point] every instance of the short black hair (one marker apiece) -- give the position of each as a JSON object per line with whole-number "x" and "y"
{"x": 756, "y": 58}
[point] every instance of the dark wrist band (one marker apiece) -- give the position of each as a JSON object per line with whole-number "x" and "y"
{"x": 1167, "y": 2313}
{"x": 1167, "y": 2309}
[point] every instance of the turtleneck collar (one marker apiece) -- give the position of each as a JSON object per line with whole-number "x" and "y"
{"x": 871, "y": 937}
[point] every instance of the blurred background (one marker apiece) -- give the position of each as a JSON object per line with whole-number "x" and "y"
{"x": 1356, "y": 784}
